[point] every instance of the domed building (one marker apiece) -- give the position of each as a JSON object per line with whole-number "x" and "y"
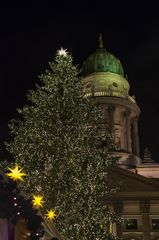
{"x": 138, "y": 179}
{"x": 104, "y": 79}
{"x": 138, "y": 198}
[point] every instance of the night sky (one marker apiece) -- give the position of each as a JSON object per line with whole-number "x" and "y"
{"x": 31, "y": 34}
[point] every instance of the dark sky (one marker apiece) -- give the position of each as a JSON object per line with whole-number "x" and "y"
{"x": 31, "y": 34}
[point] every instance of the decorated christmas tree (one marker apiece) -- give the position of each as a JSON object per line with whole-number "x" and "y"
{"x": 60, "y": 143}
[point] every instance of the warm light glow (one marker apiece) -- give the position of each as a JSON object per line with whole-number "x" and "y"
{"x": 37, "y": 201}
{"x": 50, "y": 215}
{"x": 62, "y": 52}
{"x": 111, "y": 228}
{"x": 16, "y": 173}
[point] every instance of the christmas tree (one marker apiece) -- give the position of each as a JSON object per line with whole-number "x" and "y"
{"x": 59, "y": 141}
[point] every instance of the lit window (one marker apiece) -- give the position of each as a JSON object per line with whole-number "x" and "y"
{"x": 155, "y": 224}
{"x": 131, "y": 224}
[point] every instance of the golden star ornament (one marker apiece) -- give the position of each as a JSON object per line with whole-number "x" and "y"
{"x": 50, "y": 215}
{"x": 37, "y": 201}
{"x": 16, "y": 173}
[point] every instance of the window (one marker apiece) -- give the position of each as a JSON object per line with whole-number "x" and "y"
{"x": 155, "y": 224}
{"x": 131, "y": 224}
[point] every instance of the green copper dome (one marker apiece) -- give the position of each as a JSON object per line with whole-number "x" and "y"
{"x": 103, "y": 75}
{"x": 102, "y": 61}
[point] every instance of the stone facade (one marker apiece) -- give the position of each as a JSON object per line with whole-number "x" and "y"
{"x": 138, "y": 198}
{"x": 138, "y": 202}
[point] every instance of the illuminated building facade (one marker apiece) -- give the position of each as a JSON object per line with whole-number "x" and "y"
{"x": 138, "y": 198}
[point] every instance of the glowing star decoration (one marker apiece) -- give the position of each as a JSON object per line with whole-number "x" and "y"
{"x": 16, "y": 173}
{"x": 62, "y": 52}
{"x": 50, "y": 215}
{"x": 37, "y": 201}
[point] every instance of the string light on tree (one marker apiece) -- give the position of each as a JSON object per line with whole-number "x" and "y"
{"x": 16, "y": 173}
{"x": 50, "y": 215}
{"x": 66, "y": 142}
{"x": 37, "y": 201}
{"x": 111, "y": 228}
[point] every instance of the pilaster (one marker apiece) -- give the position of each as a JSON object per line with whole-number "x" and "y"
{"x": 118, "y": 209}
{"x": 136, "y": 147}
{"x": 128, "y": 130}
{"x": 144, "y": 208}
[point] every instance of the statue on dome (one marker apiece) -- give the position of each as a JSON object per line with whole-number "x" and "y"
{"x": 147, "y": 156}
{"x": 100, "y": 40}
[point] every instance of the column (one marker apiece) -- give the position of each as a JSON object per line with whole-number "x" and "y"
{"x": 145, "y": 207}
{"x": 118, "y": 209}
{"x": 136, "y": 148}
{"x": 128, "y": 130}
{"x": 111, "y": 112}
